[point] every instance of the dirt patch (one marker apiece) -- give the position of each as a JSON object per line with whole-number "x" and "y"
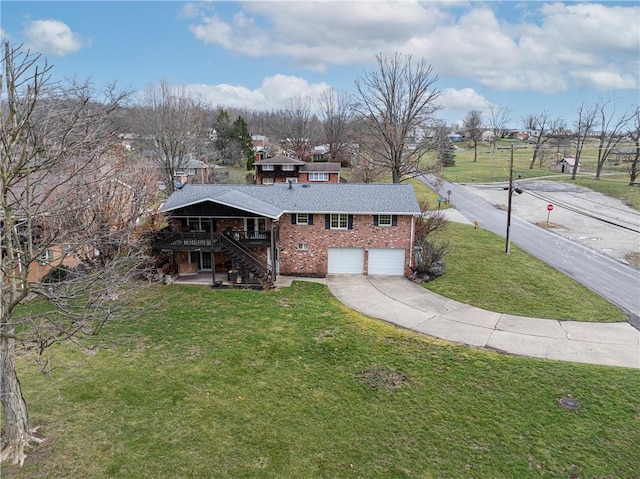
{"x": 633, "y": 258}
{"x": 548, "y": 225}
{"x": 378, "y": 377}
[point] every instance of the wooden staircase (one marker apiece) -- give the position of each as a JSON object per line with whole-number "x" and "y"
{"x": 248, "y": 259}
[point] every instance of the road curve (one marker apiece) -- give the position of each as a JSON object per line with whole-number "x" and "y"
{"x": 611, "y": 279}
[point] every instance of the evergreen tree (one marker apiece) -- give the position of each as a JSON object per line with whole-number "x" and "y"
{"x": 242, "y": 135}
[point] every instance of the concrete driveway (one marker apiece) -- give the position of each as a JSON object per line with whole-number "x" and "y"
{"x": 404, "y": 303}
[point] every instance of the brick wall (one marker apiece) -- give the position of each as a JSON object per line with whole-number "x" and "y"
{"x": 314, "y": 261}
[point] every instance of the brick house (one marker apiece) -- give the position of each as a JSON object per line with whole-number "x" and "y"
{"x": 251, "y": 233}
{"x": 280, "y": 169}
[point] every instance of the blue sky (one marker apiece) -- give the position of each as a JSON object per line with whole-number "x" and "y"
{"x": 521, "y": 56}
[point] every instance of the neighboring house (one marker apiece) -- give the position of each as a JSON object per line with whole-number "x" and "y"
{"x": 488, "y": 135}
{"x": 259, "y": 143}
{"x": 565, "y": 165}
{"x": 53, "y": 257}
{"x": 250, "y": 234}
{"x": 282, "y": 169}
{"x": 195, "y": 170}
{"x": 454, "y": 137}
{"x": 320, "y": 153}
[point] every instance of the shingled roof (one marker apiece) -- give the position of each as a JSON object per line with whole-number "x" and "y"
{"x": 276, "y": 200}
{"x": 279, "y": 160}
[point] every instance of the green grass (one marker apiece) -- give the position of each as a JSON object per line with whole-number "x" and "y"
{"x": 492, "y": 167}
{"x": 481, "y": 274}
{"x": 247, "y": 384}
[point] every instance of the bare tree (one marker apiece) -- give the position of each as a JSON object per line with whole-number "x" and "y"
{"x": 337, "y": 117}
{"x": 472, "y": 125}
{"x": 612, "y": 129}
{"x": 66, "y": 204}
{"x": 430, "y": 252}
{"x": 633, "y": 162}
{"x": 396, "y": 101}
{"x": 295, "y": 127}
{"x": 170, "y": 122}
{"x": 499, "y": 119}
{"x": 583, "y": 128}
{"x": 546, "y": 129}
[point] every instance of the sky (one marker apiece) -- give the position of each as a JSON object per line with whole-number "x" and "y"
{"x": 524, "y": 57}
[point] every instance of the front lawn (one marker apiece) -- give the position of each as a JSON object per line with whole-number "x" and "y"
{"x": 291, "y": 384}
{"x": 479, "y": 273}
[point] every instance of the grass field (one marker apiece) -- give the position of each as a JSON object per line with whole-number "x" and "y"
{"x": 492, "y": 167}
{"x": 290, "y": 384}
{"x": 481, "y": 274}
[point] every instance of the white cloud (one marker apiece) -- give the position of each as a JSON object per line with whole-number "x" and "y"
{"x": 548, "y": 50}
{"x": 272, "y": 93}
{"x": 52, "y": 36}
{"x": 316, "y": 34}
{"x": 4, "y": 35}
{"x": 457, "y": 103}
{"x": 605, "y": 80}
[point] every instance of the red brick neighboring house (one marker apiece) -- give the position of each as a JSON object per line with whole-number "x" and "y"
{"x": 251, "y": 233}
{"x": 280, "y": 169}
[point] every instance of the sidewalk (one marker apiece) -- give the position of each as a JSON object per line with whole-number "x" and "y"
{"x": 399, "y": 301}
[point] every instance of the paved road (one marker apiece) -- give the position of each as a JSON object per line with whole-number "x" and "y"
{"x": 613, "y": 280}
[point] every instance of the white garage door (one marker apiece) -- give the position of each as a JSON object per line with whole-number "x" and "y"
{"x": 387, "y": 261}
{"x": 346, "y": 261}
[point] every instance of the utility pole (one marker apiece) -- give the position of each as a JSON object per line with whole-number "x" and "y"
{"x": 510, "y": 193}
{"x": 506, "y": 248}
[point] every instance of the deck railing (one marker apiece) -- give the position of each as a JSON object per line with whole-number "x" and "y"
{"x": 204, "y": 239}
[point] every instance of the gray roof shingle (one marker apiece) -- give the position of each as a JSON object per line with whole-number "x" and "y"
{"x": 276, "y": 200}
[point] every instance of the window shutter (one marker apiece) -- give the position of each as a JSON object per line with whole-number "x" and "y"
{"x": 350, "y": 222}
{"x": 375, "y": 220}
{"x": 310, "y": 219}
{"x": 394, "y": 220}
{"x": 294, "y": 218}
{"x": 327, "y": 221}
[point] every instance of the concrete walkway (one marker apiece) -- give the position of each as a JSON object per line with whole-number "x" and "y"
{"x": 402, "y": 302}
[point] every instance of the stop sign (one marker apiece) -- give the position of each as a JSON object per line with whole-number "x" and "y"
{"x": 549, "y": 207}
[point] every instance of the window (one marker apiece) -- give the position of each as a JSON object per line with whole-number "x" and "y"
{"x": 267, "y": 181}
{"x": 316, "y": 176}
{"x": 199, "y": 224}
{"x": 288, "y": 167}
{"x": 46, "y": 257}
{"x": 384, "y": 220}
{"x": 303, "y": 246}
{"x": 301, "y": 219}
{"x": 339, "y": 221}
{"x": 292, "y": 180}
{"x": 267, "y": 167}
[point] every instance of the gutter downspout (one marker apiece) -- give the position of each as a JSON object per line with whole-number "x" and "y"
{"x": 273, "y": 253}
{"x": 413, "y": 221}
